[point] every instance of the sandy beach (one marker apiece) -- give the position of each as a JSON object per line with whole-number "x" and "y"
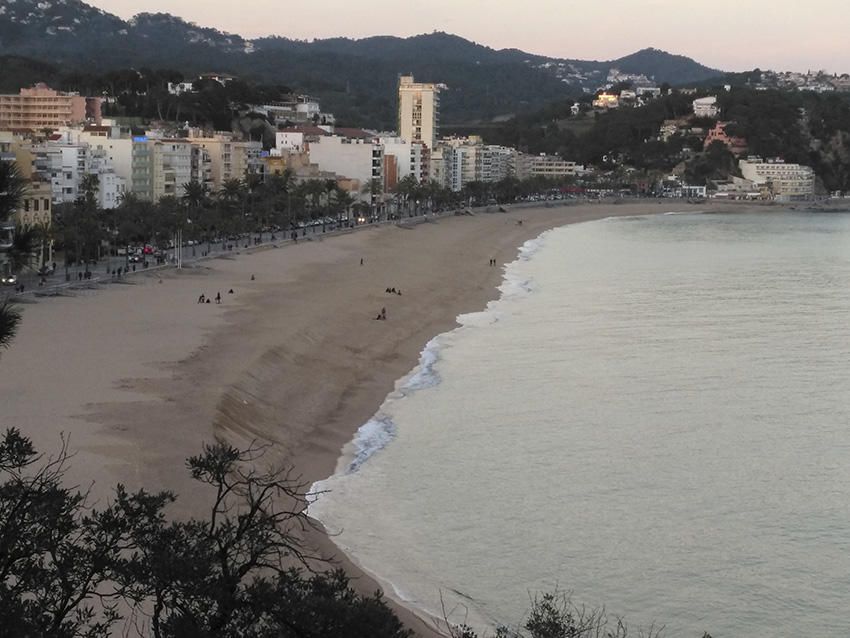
{"x": 138, "y": 375}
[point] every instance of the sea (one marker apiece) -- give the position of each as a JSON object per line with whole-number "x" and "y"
{"x": 653, "y": 418}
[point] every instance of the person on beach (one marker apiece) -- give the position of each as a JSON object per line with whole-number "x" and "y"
{"x": 361, "y": 261}
{"x": 252, "y": 277}
{"x": 399, "y": 292}
{"x": 230, "y": 292}
{"x": 383, "y": 313}
{"x": 218, "y": 297}
{"x": 201, "y": 299}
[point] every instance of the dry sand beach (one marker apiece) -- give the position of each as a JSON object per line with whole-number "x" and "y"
{"x": 139, "y": 375}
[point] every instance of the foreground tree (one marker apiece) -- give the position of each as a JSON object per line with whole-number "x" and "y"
{"x": 68, "y": 571}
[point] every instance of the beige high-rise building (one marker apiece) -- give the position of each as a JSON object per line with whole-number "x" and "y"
{"x": 418, "y": 111}
{"x": 41, "y": 107}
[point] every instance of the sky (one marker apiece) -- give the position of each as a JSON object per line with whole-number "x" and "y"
{"x": 733, "y": 35}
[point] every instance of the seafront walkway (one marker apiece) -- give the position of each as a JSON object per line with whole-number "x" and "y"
{"x": 66, "y": 281}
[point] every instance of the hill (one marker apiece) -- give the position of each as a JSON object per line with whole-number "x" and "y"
{"x": 355, "y": 78}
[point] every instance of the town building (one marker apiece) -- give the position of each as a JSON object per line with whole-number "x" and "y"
{"x": 36, "y": 207}
{"x": 786, "y": 182}
{"x": 418, "y": 111}
{"x": 171, "y": 167}
{"x": 706, "y": 106}
{"x": 736, "y": 145}
{"x": 606, "y": 101}
{"x": 296, "y": 138}
{"x": 551, "y": 166}
{"x": 40, "y": 107}
{"x": 299, "y": 109}
{"x": 461, "y": 160}
{"x": 358, "y": 159}
{"x": 411, "y": 158}
{"x": 230, "y": 158}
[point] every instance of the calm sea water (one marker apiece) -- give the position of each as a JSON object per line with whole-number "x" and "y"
{"x": 654, "y": 416}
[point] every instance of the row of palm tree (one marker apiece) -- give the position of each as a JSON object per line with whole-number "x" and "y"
{"x": 15, "y": 246}
{"x": 85, "y": 233}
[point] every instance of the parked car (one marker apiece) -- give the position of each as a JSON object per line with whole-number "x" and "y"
{"x": 9, "y": 280}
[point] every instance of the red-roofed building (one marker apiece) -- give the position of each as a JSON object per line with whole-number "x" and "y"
{"x": 736, "y": 145}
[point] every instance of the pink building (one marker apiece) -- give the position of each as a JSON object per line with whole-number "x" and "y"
{"x": 736, "y": 145}
{"x": 41, "y": 107}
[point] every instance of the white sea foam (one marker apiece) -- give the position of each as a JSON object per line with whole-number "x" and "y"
{"x": 371, "y": 437}
{"x": 424, "y": 375}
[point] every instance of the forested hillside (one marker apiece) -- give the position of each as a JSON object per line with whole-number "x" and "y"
{"x": 355, "y": 79}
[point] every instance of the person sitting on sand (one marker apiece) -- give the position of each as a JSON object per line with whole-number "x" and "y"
{"x": 252, "y": 277}
{"x": 208, "y": 301}
{"x": 230, "y": 292}
{"x": 202, "y": 298}
{"x": 399, "y": 292}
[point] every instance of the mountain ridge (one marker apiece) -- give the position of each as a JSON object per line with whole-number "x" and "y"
{"x": 354, "y": 77}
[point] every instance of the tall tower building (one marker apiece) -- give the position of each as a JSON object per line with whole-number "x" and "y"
{"x": 418, "y": 111}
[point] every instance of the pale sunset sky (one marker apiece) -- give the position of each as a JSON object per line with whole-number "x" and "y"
{"x": 734, "y": 35}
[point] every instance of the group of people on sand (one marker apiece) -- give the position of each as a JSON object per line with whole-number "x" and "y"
{"x": 204, "y": 299}
{"x": 382, "y": 316}
{"x": 492, "y": 262}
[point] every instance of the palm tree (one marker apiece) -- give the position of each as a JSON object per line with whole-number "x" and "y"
{"x": 12, "y": 187}
{"x": 10, "y": 317}
{"x": 24, "y": 247}
{"x": 195, "y": 194}
{"x": 373, "y": 189}
{"x": 407, "y": 188}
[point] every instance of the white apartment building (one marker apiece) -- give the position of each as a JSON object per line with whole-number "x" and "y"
{"x": 358, "y": 159}
{"x": 706, "y": 107}
{"x": 412, "y": 158}
{"x": 64, "y": 165}
{"x": 787, "y": 182}
{"x": 497, "y": 163}
{"x": 418, "y": 111}
{"x": 119, "y": 151}
{"x": 171, "y": 167}
{"x": 459, "y": 161}
{"x": 111, "y": 186}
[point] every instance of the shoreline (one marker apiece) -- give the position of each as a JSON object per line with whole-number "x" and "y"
{"x": 293, "y": 358}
